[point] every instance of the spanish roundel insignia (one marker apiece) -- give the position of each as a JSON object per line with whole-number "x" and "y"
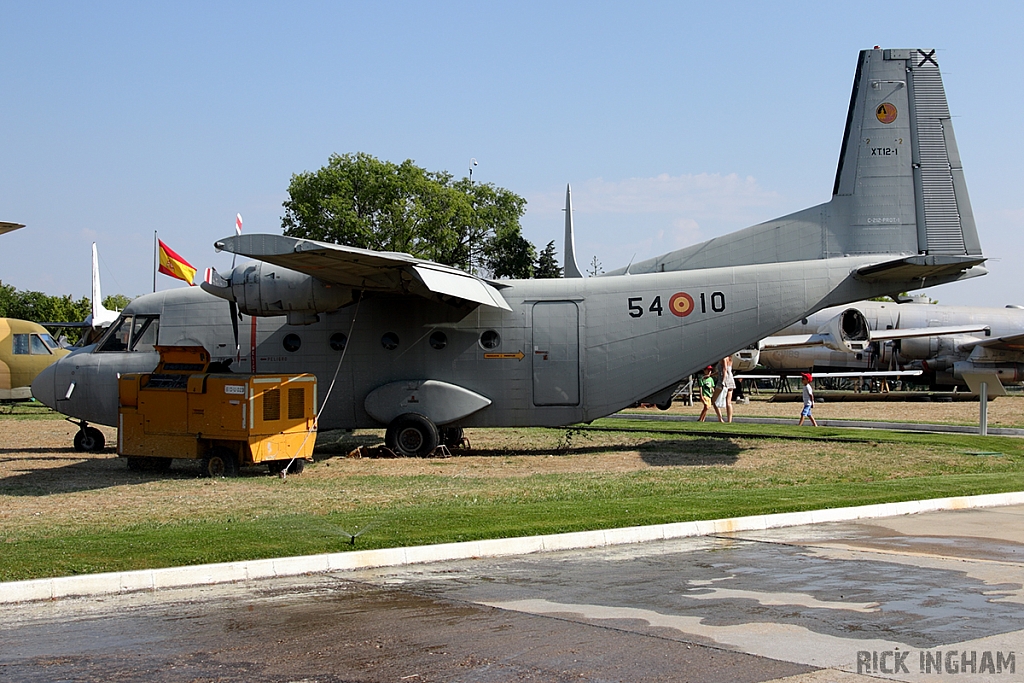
{"x": 681, "y": 304}
{"x": 886, "y": 112}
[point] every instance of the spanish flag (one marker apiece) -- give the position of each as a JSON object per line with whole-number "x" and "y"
{"x": 174, "y": 265}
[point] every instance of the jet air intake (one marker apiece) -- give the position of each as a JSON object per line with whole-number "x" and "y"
{"x": 261, "y": 289}
{"x": 847, "y": 332}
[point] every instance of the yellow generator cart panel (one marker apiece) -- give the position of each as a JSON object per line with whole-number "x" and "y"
{"x": 227, "y": 420}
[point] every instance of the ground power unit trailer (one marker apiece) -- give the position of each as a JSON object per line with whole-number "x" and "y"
{"x": 227, "y": 420}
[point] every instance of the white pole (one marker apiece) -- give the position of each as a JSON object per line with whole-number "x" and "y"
{"x": 156, "y": 258}
{"x": 983, "y": 418}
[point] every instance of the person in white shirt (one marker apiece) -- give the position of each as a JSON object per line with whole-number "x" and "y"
{"x": 808, "y": 399}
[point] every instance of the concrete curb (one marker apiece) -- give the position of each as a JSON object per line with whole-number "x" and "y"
{"x": 822, "y": 422}
{"x": 233, "y": 572}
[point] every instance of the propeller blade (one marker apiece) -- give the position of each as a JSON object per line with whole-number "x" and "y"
{"x": 234, "y": 329}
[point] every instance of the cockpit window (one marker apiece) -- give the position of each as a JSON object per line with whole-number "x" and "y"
{"x": 144, "y": 333}
{"x": 131, "y": 333}
{"x": 33, "y": 344}
{"x": 39, "y": 347}
{"x": 20, "y": 345}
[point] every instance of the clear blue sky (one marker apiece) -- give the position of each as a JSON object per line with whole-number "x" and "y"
{"x": 674, "y": 122}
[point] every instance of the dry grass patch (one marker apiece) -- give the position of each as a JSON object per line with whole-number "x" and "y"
{"x": 47, "y": 487}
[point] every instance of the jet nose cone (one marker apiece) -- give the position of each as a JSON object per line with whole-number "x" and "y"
{"x": 43, "y": 386}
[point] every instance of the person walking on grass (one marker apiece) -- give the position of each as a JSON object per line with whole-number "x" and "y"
{"x": 723, "y": 392}
{"x": 806, "y": 378}
{"x": 707, "y": 390}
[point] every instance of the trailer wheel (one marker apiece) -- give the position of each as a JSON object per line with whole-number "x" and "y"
{"x": 411, "y": 435}
{"x": 89, "y": 439}
{"x": 220, "y": 463}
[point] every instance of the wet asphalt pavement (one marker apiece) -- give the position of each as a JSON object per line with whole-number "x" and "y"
{"x": 938, "y": 596}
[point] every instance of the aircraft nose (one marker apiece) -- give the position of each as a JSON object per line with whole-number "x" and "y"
{"x": 43, "y": 386}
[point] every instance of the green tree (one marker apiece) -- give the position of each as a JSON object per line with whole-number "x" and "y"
{"x": 44, "y": 308}
{"x": 115, "y": 302}
{"x": 547, "y": 263}
{"x": 361, "y": 201}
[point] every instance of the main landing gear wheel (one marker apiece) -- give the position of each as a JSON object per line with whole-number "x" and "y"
{"x": 220, "y": 463}
{"x": 452, "y": 437}
{"x": 411, "y": 435}
{"x": 89, "y": 439}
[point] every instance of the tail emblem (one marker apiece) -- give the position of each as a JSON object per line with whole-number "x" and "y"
{"x": 886, "y": 112}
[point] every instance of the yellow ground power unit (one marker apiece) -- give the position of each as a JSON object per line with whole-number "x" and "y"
{"x": 227, "y": 420}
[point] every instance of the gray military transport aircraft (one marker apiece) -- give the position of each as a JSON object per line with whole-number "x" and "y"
{"x": 425, "y": 349}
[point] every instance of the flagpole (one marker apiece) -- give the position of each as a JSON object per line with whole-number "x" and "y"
{"x": 156, "y": 258}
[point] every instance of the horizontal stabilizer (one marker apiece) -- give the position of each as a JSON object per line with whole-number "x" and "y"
{"x": 922, "y": 267}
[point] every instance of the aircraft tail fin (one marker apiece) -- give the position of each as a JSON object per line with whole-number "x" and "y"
{"x": 899, "y": 188}
{"x": 571, "y": 269}
{"x": 101, "y": 316}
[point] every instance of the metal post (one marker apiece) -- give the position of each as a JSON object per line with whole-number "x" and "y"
{"x": 983, "y": 419}
{"x": 156, "y": 258}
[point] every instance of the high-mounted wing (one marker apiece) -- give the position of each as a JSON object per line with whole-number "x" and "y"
{"x": 910, "y": 332}
{"x": 365, "y": 269}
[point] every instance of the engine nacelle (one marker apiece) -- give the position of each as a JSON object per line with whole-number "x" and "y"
{"x": 745, "y": 360}
{"x": 261, "y": 289}
{"x": 847, "y": 332}
{"x": 921, "y": 348}
{"x": 1009, "y": 373}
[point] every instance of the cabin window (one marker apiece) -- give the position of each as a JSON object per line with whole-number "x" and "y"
{"x": 490, "y": 339}
{"x": 291, "y": 343}
{"x": 338, "y": 341}
{"x": 389, "y": 341}
{"x": 438, "y": 340}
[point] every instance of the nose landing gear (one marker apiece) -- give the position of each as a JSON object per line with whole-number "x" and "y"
{"x": 88, "y": 439}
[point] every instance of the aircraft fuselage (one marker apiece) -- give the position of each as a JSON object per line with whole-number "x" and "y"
{"x": 569, "y": 350}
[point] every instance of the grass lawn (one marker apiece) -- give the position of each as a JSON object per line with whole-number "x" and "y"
{"x": 64, "y": 513}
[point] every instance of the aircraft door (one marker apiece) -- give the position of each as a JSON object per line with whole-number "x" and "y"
{"x": 556, "y": 354}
